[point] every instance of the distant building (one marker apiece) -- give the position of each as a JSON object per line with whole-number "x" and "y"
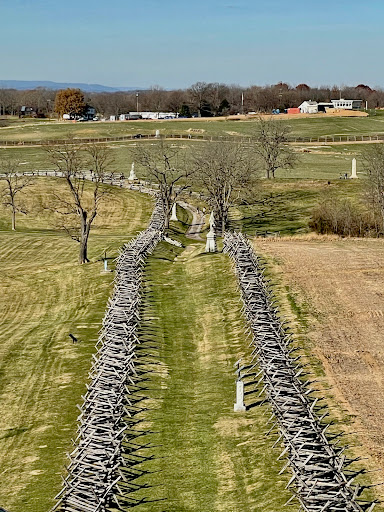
{"x": 323, "y": 106}
{"x": 293, "y": 110}
{"x": 312, "y": 107}
{"x": 147, "y": 115}
{"x": 308, "y": 107}
{"x": 132, "y": 116}
{"x": 347, "y": 104}
{"x": 88, "y": 115}
{"x": 28, "y": 111}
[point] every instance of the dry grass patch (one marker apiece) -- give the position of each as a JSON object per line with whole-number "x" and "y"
{"x": 333, "y": 292}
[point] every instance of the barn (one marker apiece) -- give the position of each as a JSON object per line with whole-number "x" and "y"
{"x": 309, "y": 107}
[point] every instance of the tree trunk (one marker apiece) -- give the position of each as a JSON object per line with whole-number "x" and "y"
{"x": 166, "y": 207}
{"x": 83, "y": 251}
{"x": 166, "y": 220}
{"x": 85, "y": 228}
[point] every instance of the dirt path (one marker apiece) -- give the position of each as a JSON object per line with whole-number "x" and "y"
{"x": 198, "y": 221}
{"x": 336, "y": 289}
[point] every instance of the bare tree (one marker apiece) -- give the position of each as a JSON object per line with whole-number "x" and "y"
{"x": 14, "y": 183}
{"x": 271, "y": 146}
{"x": 198, "y": 95}
{"x": 166, "y": 165}
{"x": 225, "y": 171}
{"x": 71, "y": 160}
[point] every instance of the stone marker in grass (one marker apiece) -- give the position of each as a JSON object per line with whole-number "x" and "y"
{"x": 132, "y": 175}
{"x": 211, "y": 245}
{"x": 239, "y": 406}
{"x": 174, "y": 214}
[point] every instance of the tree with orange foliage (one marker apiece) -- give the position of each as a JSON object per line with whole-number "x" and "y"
{"x": 69, "y": 101}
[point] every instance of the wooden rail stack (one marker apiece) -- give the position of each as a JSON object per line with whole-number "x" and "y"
{"x": 99, "y": 460}
{"x": 322, "y": 475}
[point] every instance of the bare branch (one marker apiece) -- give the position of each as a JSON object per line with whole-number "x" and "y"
{"x": 272, "y": 146}
{"x": 71, "y": 160}
{"x": 167, "y": 166}
{"x": 225, "y": 171}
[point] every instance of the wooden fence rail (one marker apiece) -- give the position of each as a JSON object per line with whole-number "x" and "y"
{"x": 321, "y": 473}
{"x": 325, "y": 139}
{"x": 102, "y": 465}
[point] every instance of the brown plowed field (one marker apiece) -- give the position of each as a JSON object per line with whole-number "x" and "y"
{"x": 338, "y": 291}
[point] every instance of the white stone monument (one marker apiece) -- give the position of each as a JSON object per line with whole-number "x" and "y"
{"x": 211, "y": 245}
{"x": 174, "y": 214}
{"x": 239, "y": 405}
{"x": 157, "y": 134}
{"x": 132, "y": 175}
{"x": 354, "y": 168}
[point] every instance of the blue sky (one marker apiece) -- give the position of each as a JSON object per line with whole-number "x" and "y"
{"x": 174, "y": 43}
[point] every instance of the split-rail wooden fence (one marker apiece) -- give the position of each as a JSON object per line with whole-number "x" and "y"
{"x": 100, "y": 468}
{"x": 322, "y": 477}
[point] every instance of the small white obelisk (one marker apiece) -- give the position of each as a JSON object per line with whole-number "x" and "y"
{"x": 211, "y": 246}
{"x": 132, "y": 175}
{"x": 174, "y": 214}
{"x": 354, "y": 168}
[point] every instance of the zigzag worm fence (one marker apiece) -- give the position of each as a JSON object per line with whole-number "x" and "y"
{"x": 321, "y": 474}
{"x": 98, "y": 463}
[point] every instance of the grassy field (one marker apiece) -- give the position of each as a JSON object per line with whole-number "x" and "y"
{"x": 206, "y": 457}
{"x": 285, "y": 206}
{"x": 315, "y": 162}
{"x": 44, "y": 296}
{"x": 312, "y": 127}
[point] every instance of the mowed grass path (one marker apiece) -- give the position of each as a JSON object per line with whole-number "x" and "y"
{"x": 208, "y": 458}
{"x": 44, "y": 296}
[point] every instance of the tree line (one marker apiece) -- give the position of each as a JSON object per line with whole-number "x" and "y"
{"x": 201, "y": 99}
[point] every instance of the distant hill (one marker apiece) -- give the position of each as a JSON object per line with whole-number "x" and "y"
{"x": 22, "y": 85}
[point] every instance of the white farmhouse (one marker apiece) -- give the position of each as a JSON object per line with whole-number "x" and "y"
{"x": 308, "y": 107}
